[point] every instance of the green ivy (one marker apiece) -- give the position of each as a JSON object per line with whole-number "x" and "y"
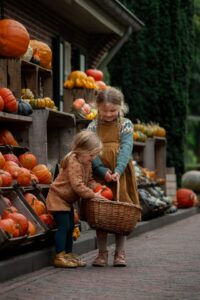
{"x": 153, "y": 70}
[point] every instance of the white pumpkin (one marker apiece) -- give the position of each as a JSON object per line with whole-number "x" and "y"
{"x": 28, "y": 55}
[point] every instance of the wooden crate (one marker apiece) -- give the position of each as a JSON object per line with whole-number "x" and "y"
{"x": 71, "y": 94}
{"x": 10, "y": 75}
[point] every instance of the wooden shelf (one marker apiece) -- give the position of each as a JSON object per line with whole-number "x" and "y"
{"x": 138, "y": 144}
{"x": 159, "y": 139}
{"x": 30, "y": 66}
{"x": 8, "y": 117}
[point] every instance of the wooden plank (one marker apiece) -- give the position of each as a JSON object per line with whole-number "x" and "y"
{"x": 14, "y": 78}
{"x": 149, "y": 154}
{"x": 3, "y": 72}
{"x": 5, "y": 117}
{"x": 71, "y": 94}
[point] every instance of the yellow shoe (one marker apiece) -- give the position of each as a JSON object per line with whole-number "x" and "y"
{"x": 61, "y": 262}
{"x": 73, "y": 257}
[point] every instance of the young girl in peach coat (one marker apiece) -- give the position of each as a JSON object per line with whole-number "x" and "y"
{"x": 73, "y": 182}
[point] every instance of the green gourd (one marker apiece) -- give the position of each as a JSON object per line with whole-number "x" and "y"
{"x": 24, "y": 108}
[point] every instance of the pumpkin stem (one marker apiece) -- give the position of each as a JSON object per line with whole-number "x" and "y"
{"x": 2, "y": 9}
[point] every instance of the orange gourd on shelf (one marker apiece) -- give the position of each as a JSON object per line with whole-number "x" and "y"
{"x": 28, "y": 160}
{"x": 14, "y": 38}
{"x": 10, "y": 102}
{"x": 7, "y": 138}
{"x": 43, "y": 174}
{"x": 43, "y": 51}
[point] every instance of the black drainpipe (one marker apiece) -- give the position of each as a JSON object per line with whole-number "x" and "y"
{"x": 115, "y": 49}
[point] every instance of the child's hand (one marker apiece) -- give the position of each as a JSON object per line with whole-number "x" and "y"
{"x": 98, "y": 194}
{"x": 108, "y": 176}
{"x": 115, "y": 176}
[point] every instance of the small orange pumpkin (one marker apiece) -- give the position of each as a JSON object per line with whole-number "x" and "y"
{"x": 1, "y": 104}
{"x": 24, "y": 177}
{"x": 43, "y": 174}
{"x": 78, "y": 103}
{"x": 28, "y": 160}
{"x": 43, "y": 51}
{"x": 31, "y": 228}
{"x": 37, "y": 205}
{"x": 186, "y": 198}
{"x": 2, "y": 161}
{"x": 11, "y": 157}
{"x": 10, "y": 102}
{"x": 7, "y": 138}
{"x": 6, "y": 178}
{"x": 14, "y": 38}
{"x": 12, "y": 168}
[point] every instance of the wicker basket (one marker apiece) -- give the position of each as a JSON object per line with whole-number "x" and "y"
{"x": 112, "y": 216}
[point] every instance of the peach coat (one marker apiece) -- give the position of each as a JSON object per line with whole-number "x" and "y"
{"x": 70, "y": 185}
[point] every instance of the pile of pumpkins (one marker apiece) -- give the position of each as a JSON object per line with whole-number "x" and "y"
{"x": 90, "y": 79}
{"x": 23, "y": 169}
{"x": 9, "y": 103}
{"x": 83, "y": 110}
{"x": 28, "y": 97}
{"x": 142, "y": 131}
{"x": 14, "y": 222}
{"x": 15, "y": 42}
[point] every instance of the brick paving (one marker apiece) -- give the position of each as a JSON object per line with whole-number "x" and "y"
{"x": 162, "y": 264}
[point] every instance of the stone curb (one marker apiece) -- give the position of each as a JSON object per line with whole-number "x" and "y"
{"x": 32, "y": 261}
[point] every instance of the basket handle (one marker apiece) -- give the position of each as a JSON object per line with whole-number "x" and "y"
{"x": 118, "y": 190}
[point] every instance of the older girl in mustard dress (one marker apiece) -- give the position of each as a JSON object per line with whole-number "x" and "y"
{"x": 114, "y": 162}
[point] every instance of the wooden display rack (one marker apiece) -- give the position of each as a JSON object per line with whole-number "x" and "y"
{"x": 151, "y": 154}
{"x": 10, "y": 70}
{"x": 71, "y": 94}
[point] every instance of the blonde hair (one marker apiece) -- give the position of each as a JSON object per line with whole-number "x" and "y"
{"x": 114, "y": 96}
{"x": 83, "y": 142}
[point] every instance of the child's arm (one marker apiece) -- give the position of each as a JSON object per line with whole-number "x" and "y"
{"x": 76, "y": 178}
{"x": 126, "y": 146}
{"x": 98, "y": 166}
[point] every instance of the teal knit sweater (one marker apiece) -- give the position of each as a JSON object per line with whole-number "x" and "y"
{"x": 126, "y": 148}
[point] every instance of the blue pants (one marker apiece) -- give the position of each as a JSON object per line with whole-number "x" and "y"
{"x": 63, "y": 236}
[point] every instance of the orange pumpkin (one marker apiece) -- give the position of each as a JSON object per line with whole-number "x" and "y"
{"x": 48, "y": 220}
{"x": 31, "y": 228}
{"x": 37, "y": 205}
{"x": 14, "y": 38}
{"x": 7, "y": 138}
{"x": 186, "y": 198}
{"x": 101, "y": 85}
{"x": 12, "y": 168}
{"x": 1, "y": 104}
{"x": 78, "y": 103}
{"x": 11, "y": 157}
{"x": 28, "y": 160}
{"x": 6, "y": 178}
{"x": 43, "y": 174}
{"x": 44, "y": 52}
{"x": 10, "y": 102}
{"x": 24, "y": 177}
{"x": 9, "y": 226}
{"x": 34, "y": 178}
{"x": 21, "y": 220}
{"x": 2, "y": 161}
